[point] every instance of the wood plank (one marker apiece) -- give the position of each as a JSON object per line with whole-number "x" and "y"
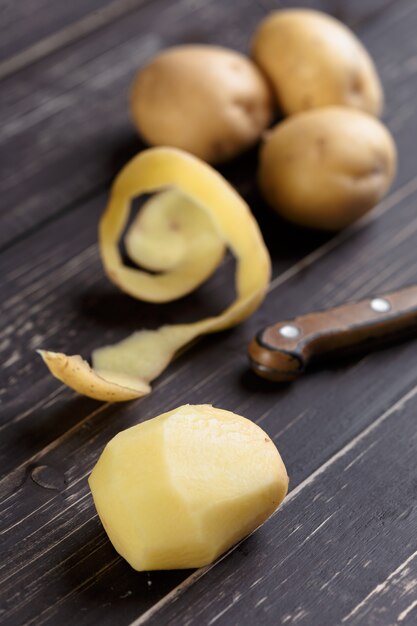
{"x": 397, "y": 590}
{"x": 47, "y": 516}
{"x": 43, "y": 313}
{"x": 62, "y": 300}
{"x": 54, "y": 529}
{"x": 71, "y": 108}
{"x": 343, "y": 538}
{"x": 352, "y": 13}
{"x": 31, "y": 29}
{"x": 290, "y": 253}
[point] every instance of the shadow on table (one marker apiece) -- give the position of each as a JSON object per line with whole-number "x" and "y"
{"x": 98, "y": 581}
{"x": 283, "y": 239}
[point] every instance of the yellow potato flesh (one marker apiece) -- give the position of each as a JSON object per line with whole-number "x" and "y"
{"x": 191, "y": 220}
{"x": 180, "y": 489}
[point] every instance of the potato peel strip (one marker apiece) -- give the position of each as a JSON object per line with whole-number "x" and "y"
{"x": 194, "y": 216}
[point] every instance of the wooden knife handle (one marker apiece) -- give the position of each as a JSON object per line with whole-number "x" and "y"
{"x": 281, "y": 352}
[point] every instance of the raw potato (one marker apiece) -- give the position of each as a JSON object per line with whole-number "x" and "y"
{"x": 181, "y": 232}
{"x": 180, "y": 489}
{"x": 313, "y": 60}
{"x": 210, "y": 101}
{"x": 325, "y": 168}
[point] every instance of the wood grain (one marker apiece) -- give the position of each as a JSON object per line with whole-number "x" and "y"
{"x": 72, "y": 108}
{"x": 33, "y": 29}
{"x": 28, "y": 23}
{"x": 61, "y": 521}
{"x": 343, "y": 545}
{"x": 397, "y": 590}
{"x": 63, "y": 301}
{"x": 61, "y": 106}
{"x": 351, "y": 537}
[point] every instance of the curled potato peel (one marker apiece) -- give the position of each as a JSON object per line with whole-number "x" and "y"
{"x": 182, "y": 233}
{"x": 77, "y": 373}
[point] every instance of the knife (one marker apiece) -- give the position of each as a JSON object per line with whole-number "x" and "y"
{"x": 281, "y": 352}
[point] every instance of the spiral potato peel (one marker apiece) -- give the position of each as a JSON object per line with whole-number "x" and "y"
{"x": 179, "y": 239}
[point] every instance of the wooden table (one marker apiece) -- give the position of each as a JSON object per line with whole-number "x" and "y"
{"x": 342, "y": 548}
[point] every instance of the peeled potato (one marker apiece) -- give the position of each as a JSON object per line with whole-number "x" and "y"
{"x": 313, "y": 60}
{"x": 207, "y": 100}
{"x": 180, "y": 489}
{"x": 325, "y": 168}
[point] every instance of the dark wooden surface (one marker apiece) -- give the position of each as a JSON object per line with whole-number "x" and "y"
{"x": 343, "y": 547}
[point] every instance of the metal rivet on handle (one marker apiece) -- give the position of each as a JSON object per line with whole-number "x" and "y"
{"x": 380, "y": 305}
{"x": 289, "y": 332}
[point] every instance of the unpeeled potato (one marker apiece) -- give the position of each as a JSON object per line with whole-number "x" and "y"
{"x": 313, "y": 60}
{"x": 180, "y": 489}
{"x": 325, "y": 168}
{"x": 207, "y": 100}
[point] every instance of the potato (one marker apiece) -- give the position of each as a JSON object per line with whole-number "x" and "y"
{"x": 210, "y": 101}
{"x": 325, "y": 168}
{"x": 180, "y": 489}
{"x": 313, "y": 60}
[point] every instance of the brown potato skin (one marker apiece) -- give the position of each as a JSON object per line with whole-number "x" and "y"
{"x": 312, "y": 60}
{"x": 207, "y": 100}
{"x": 325, "y": 168}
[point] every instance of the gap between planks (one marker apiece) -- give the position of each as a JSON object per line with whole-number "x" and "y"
{"x": 396, "y": 197}
{"x": 279, "y": 280}
{"x": 379, "y": 588}
{"x": 399, "y": 195}
{"x": 83, "y": 585}
{"x": 408, "y": 610}
{"x": 68, "y": 35}
{"x": 188, "y": 582}
{"x": 99, "y": 19}
{"x": 55, "y": 443}
{"x": 89, "y": 24}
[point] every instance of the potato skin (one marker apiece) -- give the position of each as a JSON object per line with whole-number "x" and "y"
{"x": 326, "y": 167}
{"x": 313, "y": 60}
{"x": 207, "y": 100}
